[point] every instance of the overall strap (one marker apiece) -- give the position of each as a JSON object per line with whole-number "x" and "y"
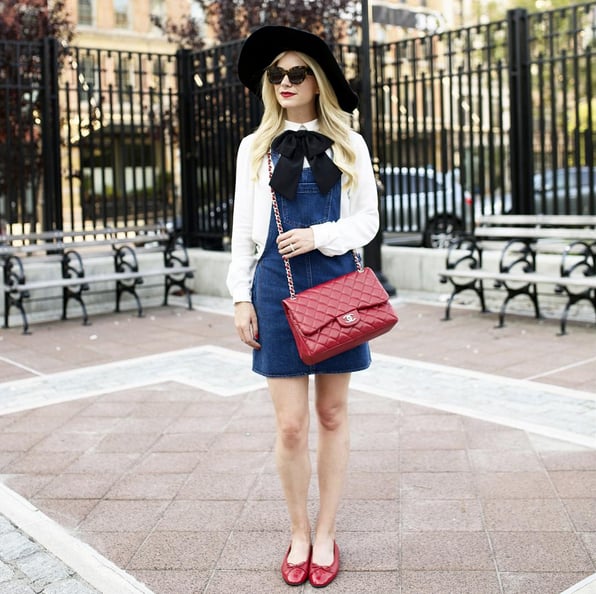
{"x": 280, "y": 230}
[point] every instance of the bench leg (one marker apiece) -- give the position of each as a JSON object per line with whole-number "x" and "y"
{"x": 132, "y": 289}
{"x": 480, "y": 293}
{"x": 447, "y": 315}
{"x": 67, "y": 295}
{"x": 534, "y": 298}
{"x": 530, "y": 290}
{"x": 475, "y": 286}
{"x": 564, "y": 318}
{"x": 6, "y": 308}
{"x": 171, "y": 282}
{"x": 502, "y": 311}
{"x": 13, "y": 274}
{"x": 24, "y": 318}
{"x": 9, "y": 301}
{"x": 572, "y": 299}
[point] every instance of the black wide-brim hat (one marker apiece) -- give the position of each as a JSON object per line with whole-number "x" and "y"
{"x": 266, "y": 43}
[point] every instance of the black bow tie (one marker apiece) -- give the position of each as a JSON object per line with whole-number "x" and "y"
{"x": 293, "y": 147}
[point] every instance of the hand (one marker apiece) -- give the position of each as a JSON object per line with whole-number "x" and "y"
{"x": 296, "y": 242}
{"x": 245, "y": 320}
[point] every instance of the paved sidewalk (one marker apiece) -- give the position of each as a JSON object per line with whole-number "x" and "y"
{"x": 136, "y": 455}
{"x": 26, "y": 567}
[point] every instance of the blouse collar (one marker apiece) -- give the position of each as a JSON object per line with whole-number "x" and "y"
{"x": 312, "y": 126}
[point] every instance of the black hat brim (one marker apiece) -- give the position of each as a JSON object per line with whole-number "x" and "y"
{"x": 266, "y": 43}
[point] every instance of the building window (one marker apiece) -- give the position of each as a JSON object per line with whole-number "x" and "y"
{"x": 85, "y": 10}
{"x": 123, "y": 71}
{"x": 121, "y": 14}
{"x": 158, "y": 12}
{"x": 87, "y": 70}
{"x": 158, "y": 8}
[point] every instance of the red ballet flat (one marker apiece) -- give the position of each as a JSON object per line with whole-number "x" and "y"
{"x": 321, "y": 576}
{"x": 295, "y": 574}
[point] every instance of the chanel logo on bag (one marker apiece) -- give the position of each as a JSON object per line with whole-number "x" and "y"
{"x": 348, "y": 319}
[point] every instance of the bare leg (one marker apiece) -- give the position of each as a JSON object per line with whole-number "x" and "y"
{"x": 290, "y": 400}
{"x": 333, "y": 453}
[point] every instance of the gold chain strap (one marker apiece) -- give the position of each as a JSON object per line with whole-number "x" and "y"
{"x": 280, "y": 230}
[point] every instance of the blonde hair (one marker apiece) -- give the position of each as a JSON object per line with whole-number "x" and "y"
{"x": 333, "y": 122}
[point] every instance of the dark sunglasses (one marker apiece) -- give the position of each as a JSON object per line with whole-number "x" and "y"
{"x": 296, "y": 75}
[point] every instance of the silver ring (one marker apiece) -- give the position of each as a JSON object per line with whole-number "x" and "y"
{"x": 292, "y": 247}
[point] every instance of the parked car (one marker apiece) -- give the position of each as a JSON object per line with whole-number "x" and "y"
{"x": 559, "y": 186}
{"x": 420, "y": 199}
{"x": 555, "y": 192}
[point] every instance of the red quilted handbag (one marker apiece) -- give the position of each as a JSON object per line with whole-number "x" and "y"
{"x": 337, "y": 315}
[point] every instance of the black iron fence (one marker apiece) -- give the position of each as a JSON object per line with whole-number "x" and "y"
{"x": 491, "y": 118}
{"x": 119, "y": 135}
{"x": 496, "y": 117}
{"x": 215, "y": 113}
{"x": 119, "y": 131}
{"x": 89, "y": 137}
{"x": 27, "y": 117}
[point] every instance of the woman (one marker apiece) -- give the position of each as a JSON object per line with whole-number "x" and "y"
{"x": 321, "y": 171}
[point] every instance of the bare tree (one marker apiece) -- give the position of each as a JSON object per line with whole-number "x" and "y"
{"x": 231, "y": 20}
{"x": 27, "y": 20}
{"x": 23, "y": 23}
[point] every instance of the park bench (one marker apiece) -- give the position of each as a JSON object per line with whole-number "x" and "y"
{"x": 65, "y": 254}
{"x": 521, "y": 240}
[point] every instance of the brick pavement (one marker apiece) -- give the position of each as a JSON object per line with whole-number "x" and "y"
{"x": 136, "y": 456}
{"x": 26, "y": 567}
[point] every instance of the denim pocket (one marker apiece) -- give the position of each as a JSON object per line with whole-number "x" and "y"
{"x": 309, "y": 207}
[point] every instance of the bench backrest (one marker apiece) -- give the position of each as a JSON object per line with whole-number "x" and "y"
{"x": 55, "y": 241}
{"x": 537, "y": 220}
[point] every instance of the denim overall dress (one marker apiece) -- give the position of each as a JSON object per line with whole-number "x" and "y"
{"x": 278, "y": 356}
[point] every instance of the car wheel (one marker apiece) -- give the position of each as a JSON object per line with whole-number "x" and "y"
{"x": 441, "y": 230}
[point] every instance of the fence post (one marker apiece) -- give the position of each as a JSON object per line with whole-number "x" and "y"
{"x": 188, "y": 149}
{"x": 521, "y": 161}
{"x": 50, "y": 138}
{"x": 372, "y": 251}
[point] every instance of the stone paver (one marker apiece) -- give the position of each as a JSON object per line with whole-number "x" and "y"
{"x": 25, "y": 566}
{"x": 473, "y": 463}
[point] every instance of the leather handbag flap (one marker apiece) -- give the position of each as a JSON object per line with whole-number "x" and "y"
{"x": 340, "y": 298}
{"x": 348, "y": 319}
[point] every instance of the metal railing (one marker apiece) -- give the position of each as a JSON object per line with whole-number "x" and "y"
{"x": 485, "y": 118}
{"x": 120, "y": 137}
{"x": 496, "y": 117}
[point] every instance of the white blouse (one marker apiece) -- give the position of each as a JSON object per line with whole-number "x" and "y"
{"x": 357, "y": 225}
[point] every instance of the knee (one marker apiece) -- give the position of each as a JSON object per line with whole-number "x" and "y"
{"x": 292, "y": 433}
{"x": 332, "y": 417}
